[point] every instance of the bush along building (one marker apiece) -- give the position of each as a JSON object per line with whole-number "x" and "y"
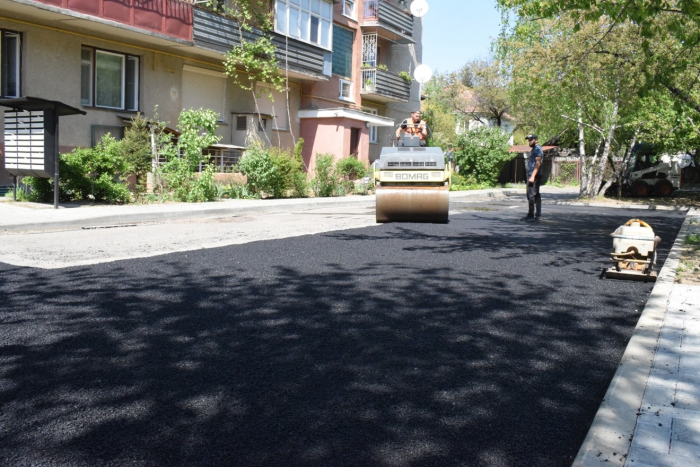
{"x": 343, "y": 59}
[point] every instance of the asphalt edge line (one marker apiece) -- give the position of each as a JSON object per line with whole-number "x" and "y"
{"x": 610, "y": 435}
{"x": 152, "y": 217}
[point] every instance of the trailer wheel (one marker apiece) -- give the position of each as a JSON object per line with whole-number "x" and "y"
{"x": 663, "y": 188}
{"x": 640, "y": 189}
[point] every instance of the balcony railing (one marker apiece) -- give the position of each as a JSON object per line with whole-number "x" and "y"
{"x": 385, "y": 84}
{"x": 169, "y": 17}
{"x": 218, "y": 33}
{"x": 388, "y": 16}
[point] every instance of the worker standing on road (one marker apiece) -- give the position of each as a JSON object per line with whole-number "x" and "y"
{"x": 534, "y": 177}
{"x": 413, "y": 126}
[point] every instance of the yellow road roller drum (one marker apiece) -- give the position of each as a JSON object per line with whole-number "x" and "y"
{"x": 412, "y": 185}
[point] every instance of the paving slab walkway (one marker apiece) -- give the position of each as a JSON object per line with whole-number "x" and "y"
{"x": 650, "y": 415}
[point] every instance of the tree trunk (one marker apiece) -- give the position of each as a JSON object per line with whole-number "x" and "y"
{"x": 598, "y": 179}
{"x": 590, "y": 173}
{"x": 625, "y": 160}
{"x": 582, "y": 157}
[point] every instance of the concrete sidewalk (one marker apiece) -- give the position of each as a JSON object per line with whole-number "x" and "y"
{"x": 16, "y": 217}
{"x": 650, "y": 415}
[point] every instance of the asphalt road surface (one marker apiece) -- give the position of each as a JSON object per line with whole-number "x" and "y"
{"x": 484, "y": 342}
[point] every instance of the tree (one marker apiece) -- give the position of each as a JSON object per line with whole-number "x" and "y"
{"x": 439, "y": 110}
{"x": 252, "y": 59}
{"x": 477, "y": 91}
{"x": 135, "y": 148}
{"x": 669, "y": 32}
{"x": 487, "y": 95}
{"x": 482, "y": 153}
{"x": 578, "y": 83}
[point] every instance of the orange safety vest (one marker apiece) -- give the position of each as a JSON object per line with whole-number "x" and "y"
{"x": 412, "y": 129}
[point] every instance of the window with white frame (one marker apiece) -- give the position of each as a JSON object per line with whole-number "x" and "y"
{"x": 10, "y": 63}
{"x": 307, "y": 20}
{"x": 109, "y": 80}
{"x": 372, "y": 129}
{"x": 346, "y": 90}
{"x": 349, "y": 8}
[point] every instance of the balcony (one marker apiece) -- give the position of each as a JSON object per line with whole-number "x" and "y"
{"x": 388, "y": 20}
{"x": 384, "y": 86}
{"x": 171, "y": 18}
{"x": 218, "y": 33}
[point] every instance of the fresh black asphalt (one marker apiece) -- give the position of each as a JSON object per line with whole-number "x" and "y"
{"x": 483, "y": 342}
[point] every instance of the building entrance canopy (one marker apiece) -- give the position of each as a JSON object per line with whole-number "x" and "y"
{"x": 371, "y": 119}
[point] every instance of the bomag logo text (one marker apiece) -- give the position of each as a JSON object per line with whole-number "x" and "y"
{"x": 412, "y": 177}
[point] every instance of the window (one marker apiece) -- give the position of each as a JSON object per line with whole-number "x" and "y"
{"x": 307, "y": 20}
{"x": 346, "y": 91}
{"x": 241, "y": 123}
{"x": 349, "y": 8}
{"x": 109, "y": 80}
{"x": 99, "y": 131}
{"x": 342, "y": 51}
{"x": 262, "y": 124}
{"x": 10, "y": 63}
{"x": 204, "y": 88}
{"x": 372, "y": 129}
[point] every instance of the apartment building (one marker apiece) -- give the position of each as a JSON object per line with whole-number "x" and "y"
{"x": 114, "y": 58}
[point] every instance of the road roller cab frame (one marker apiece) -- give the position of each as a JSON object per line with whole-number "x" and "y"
{"x": 412, "y": 183}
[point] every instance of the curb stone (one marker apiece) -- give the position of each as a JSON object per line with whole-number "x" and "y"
{"x": 610, "y": 435}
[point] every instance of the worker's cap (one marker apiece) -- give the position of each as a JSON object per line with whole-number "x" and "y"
{"x": 415, "y": 111}
{"x": 531, "y": 137}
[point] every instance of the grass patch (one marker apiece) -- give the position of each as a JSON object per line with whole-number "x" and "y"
{"x": 693, "y": 240}
{"x": 688, "y": 271}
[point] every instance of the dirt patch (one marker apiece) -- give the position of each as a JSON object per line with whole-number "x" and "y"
{"x": 688, "y": 271}
{"x": 679, "y": 199}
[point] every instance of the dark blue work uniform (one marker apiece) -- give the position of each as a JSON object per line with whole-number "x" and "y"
{"x": 534, "y": 200}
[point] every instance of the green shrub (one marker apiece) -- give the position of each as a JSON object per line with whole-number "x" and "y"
{"x": 325, "y": 182}
{"x": 300, "y": 185}
{"x": 350, "y": 168}
{"x": 135, "y": 149}
{"x": 236, "y": 191}
{"x": 264, "y": 177}
{"x": 482, "y": 153}
{"x": 94, "y": 174}
{"x": 39, "y": 190}
{"x": 197, "y": 131}
{"x": 462, "y": 183}
{"x": 299, "y": 179}
{"x": 566, "y": 175}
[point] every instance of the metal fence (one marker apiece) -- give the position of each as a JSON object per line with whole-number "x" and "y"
{"x": 564, "y": 169}
{"x": 223, "y": 160}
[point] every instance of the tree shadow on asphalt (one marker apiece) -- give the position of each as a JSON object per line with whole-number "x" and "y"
{"x": 476, "y": 343}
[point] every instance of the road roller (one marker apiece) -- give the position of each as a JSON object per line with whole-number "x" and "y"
{"x": 412, "y": 184}
{"x": 634, "y": 252}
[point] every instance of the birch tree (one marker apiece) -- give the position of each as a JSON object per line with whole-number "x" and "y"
{"x": 580, "y": 84}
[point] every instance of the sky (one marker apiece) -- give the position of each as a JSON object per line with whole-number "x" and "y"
{"x": 457, "y": 31}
